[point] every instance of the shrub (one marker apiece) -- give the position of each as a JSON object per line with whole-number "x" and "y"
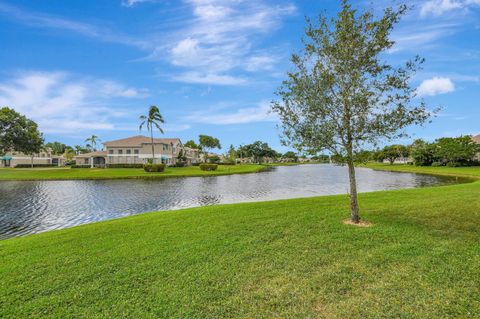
{"x": 228, "y": 163}
{"x": 454, "y": 164}
{"x": 436, "y": 164}
{"x": 154, "y": 168}
{"x": 125, "y": 165}
{"x": 179, "y": 164}
{"x": 208, "y": 167}
{"x": 80, "y": 166}
{"x": 34, "y": 165}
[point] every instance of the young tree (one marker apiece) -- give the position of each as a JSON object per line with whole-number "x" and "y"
{"x": 151, "y": 120}
{"x": 342, "y": 94}
{"x": 423, "y": 153}
{"x": 56, "y": 147}
{"x": 207, "y": 143}
{"x": 258, "y": 150}
{"x": 232, "y": 154}
{"x": 191, "y": 144}
{"x": 394, "y": 152}
{"x": 290, "y": 155}
{"x": 80, "y": 149}
{"x": 18, "y": 133}
{"x": 92, "y": 142}
{"x": 456, "y": 151}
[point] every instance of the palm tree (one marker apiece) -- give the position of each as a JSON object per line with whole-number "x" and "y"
{"x": 92, "y": 140}
{"x": 153, "y": 119}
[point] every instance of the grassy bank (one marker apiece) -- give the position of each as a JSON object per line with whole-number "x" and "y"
{"x": 473, "y": 171}
{"x": 280, "y": 259}
{"x": 119, "y": 173}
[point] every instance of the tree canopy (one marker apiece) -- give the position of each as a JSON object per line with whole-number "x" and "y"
{"x": 18, "y": 133}
{"x": 342, "y": 94}
{"x": 191, "y": 144}
{"x": 258, "y": 150}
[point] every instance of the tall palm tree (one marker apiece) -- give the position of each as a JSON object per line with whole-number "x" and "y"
{"x": 153, "y": 119}
{"x": 92, "y": 140}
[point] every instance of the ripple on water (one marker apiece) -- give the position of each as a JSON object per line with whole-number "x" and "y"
{"x": 32, "y": 207}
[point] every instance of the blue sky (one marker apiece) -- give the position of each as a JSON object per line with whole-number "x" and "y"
{"x": 93, "y": 67}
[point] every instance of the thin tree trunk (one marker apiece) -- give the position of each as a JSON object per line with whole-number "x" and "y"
{"x": 153, "y": 149}
{"x": 353, "y": 190}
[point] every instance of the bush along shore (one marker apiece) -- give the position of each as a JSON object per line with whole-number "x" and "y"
{"x": 284, "y": 259}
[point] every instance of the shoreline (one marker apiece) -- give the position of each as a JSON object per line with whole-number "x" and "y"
{"x": 109, "y": 173}
{"x": 251, "y": 259}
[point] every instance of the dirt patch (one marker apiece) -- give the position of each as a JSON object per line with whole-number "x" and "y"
{"x": 362, "y": 223}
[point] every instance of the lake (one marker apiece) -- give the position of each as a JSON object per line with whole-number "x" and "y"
{"x": 28, "y": 207}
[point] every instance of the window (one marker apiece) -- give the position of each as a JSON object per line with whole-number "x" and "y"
{"x": 110, "y": 152}
{"x": 120, "y": 152}
{"x": 86, "y": 161}
{"x": 129, "y": 152}
{"x": 135, "y": 151}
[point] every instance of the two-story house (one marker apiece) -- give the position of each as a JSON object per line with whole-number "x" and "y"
{"x": 138, "y": 150}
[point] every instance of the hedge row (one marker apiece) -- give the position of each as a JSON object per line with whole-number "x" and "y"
{"x": 125, "y": 165}
{"x": 154, "y": 168}
{"x": 34, "y": 165}
{"x": 80, "y": 166}
{"x": 227, "y": 163}
{"x": 208, "y": 167}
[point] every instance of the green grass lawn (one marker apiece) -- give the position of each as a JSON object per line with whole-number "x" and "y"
{"x": 279, "y": 259}
{"x": 473, "y": 171}
{"x": 119, "y": 173}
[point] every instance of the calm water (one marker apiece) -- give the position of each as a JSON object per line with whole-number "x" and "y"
{"x": 32, "y": 207}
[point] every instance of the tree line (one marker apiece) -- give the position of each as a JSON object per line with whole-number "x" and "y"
{"x": 445, "y": 151}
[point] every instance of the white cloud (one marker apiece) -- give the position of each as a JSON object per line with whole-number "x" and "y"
{"x": 259, "y": 113}
{"x": 435, "y": 86}
{"x": 415, "y": 36}
{"x": 209, "y": 78}
{"x": 218, "y": 39}
{"x": 131, "y": 3}
{"x": 221, "y": 39}
{"x": 440, "y": 7}
{"x": 260, "y": 62}
{"x": 59, "y": 103}
{"x": 41, "y": 20}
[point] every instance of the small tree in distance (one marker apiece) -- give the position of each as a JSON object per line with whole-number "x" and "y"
{"x": 207, "y": 143}
{"x": 342, "y": 95}
{"x": 151, "y": 120}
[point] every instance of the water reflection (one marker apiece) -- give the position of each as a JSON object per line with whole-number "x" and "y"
{"x": 32, "y": 207}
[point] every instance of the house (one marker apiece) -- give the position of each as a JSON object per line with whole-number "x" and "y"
{"x": 138, "y": 150}
{"x": 476, "y": 139}
{"x": 44, "y": 158}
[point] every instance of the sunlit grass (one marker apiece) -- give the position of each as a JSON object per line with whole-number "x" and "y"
{"x": 119, "y": 173}
{"x": 280, "y": 259}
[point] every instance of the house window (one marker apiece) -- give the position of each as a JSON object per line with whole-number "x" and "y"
{"x": 86, "y": 161}
{"x": 120, "y": 152}
{"x": 129, "y": 152}
{"x": 110, "y": 152}
{"x": 135, "y": 152}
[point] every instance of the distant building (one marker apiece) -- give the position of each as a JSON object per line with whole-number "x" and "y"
{"x": 44, "y": 158}
{"x": 476, "y": 139}
{"x": 138, "y": 150}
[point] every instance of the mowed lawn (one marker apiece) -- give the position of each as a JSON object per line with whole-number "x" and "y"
{"x": 279, "y": 259}
{"x": 473, "y": 171}
{"x": 119, "y": 173}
